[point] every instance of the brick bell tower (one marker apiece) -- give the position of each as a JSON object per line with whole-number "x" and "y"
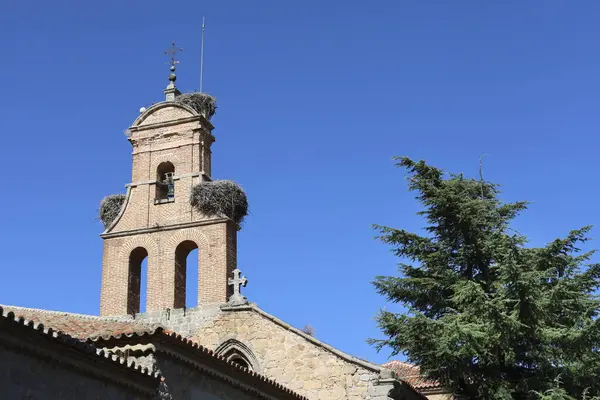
{"x": 171, "y": 153}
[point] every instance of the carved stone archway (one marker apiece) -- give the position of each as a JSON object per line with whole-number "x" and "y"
{"x": 236, "y": 351}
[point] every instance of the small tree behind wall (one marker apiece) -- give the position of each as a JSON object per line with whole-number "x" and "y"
{"x": 309, "y": 330}
{"x": 487, "y": 315}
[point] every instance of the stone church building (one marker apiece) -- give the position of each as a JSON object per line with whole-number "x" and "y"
{"x": 226, "y": 347}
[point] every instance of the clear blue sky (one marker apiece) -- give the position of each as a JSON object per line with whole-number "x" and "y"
{"x": 314, "y": 97}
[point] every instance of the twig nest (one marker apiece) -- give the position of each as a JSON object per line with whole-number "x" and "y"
{"x": 110, "y": 206}
{"x": 220, "y": 198}
{"x": 202, "y": 103}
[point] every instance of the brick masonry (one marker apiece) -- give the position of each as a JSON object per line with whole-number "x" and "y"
{"x": 166, "y": 132}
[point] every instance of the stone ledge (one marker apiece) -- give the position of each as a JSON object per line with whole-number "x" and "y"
{"x": 139, "y": 128}
{"x": 164, "y": 201}
{"x": 175, "y": 178}
{"x": 204, "y": 123}
{"x": 437, "y": 390}
{"x": 165, "y": 228}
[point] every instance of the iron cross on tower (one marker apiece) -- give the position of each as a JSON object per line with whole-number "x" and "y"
{"x": 172, "y": 52}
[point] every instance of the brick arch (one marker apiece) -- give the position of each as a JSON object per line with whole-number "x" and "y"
{"x": 174, "y": 159}
{"x": 177, "y": 248}
{"x": 132, "y": 295}
{"x": 146, "y": 242}
{"x": 189, "y": 234}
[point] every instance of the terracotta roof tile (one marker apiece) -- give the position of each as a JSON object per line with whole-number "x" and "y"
{"x": 93, "y": 329}
{"x": 32, "y": 325}
{"x": 78, "y": 325}
{"x": 412, "y": 374}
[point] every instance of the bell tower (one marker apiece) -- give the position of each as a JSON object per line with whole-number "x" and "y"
{"x": 171, "y": 143}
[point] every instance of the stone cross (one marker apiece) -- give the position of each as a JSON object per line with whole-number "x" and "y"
{"x": 237, "y": 282}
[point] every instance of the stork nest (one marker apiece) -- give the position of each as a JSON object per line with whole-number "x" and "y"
{"x": 110, "y": 206}
{"x": 202, "y": 103}
{"x": 220, "y": 198}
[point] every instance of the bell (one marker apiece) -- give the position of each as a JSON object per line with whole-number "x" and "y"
{"x": 170, "y": 185}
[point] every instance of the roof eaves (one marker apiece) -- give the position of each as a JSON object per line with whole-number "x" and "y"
{"x": 79, "y": 326}
{"x": 68, "y": 341}
{"x": 411, "y": 373}
{"x": 203, "y": 352}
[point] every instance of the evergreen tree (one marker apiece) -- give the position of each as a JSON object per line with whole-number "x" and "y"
{"x": 486, "y": 315}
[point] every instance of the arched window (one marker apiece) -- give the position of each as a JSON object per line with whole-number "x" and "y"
{"x": 237, "y": 352}
{"x": 186, "y": 277}
{"x": 134, "y": 279}
{"x": 236, "y": 358}
{"x": 165, "y": 187}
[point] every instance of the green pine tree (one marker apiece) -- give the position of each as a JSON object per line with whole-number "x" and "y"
{"x": 486, "y": 315}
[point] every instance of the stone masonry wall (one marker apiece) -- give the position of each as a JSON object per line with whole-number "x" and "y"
{"x": 290, "y": 359}
{"x": 184, "y": 321}
{"x": 26, "y": 376}
{"x": 307, "y": 367}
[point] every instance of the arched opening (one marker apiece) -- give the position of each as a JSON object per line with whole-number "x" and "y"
{"x": 134, "y": 280}
{"x": 236, "y": 358}
{"x": 237, "y": 352}
{"x": 143, "y": 285}
{"x": 186, "y": 277}
{"x": 165, "y": 187}
{"x": 191, "y": 284}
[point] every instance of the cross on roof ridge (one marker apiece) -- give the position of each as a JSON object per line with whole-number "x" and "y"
{"x": 237, "y": 282}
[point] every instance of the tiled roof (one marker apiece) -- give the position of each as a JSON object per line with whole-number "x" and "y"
{"x": 19, "y": 322}
{"x": 78, "y": 325}
{"x": 93, "y": 329}
{"x": 411, "y": 374}
{"x": 232, "y": 368}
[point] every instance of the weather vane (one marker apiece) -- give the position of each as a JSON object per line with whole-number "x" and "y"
{"x": 172, "y": 52}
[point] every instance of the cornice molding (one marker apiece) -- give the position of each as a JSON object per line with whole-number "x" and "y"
{"x": 166, "y": 228}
